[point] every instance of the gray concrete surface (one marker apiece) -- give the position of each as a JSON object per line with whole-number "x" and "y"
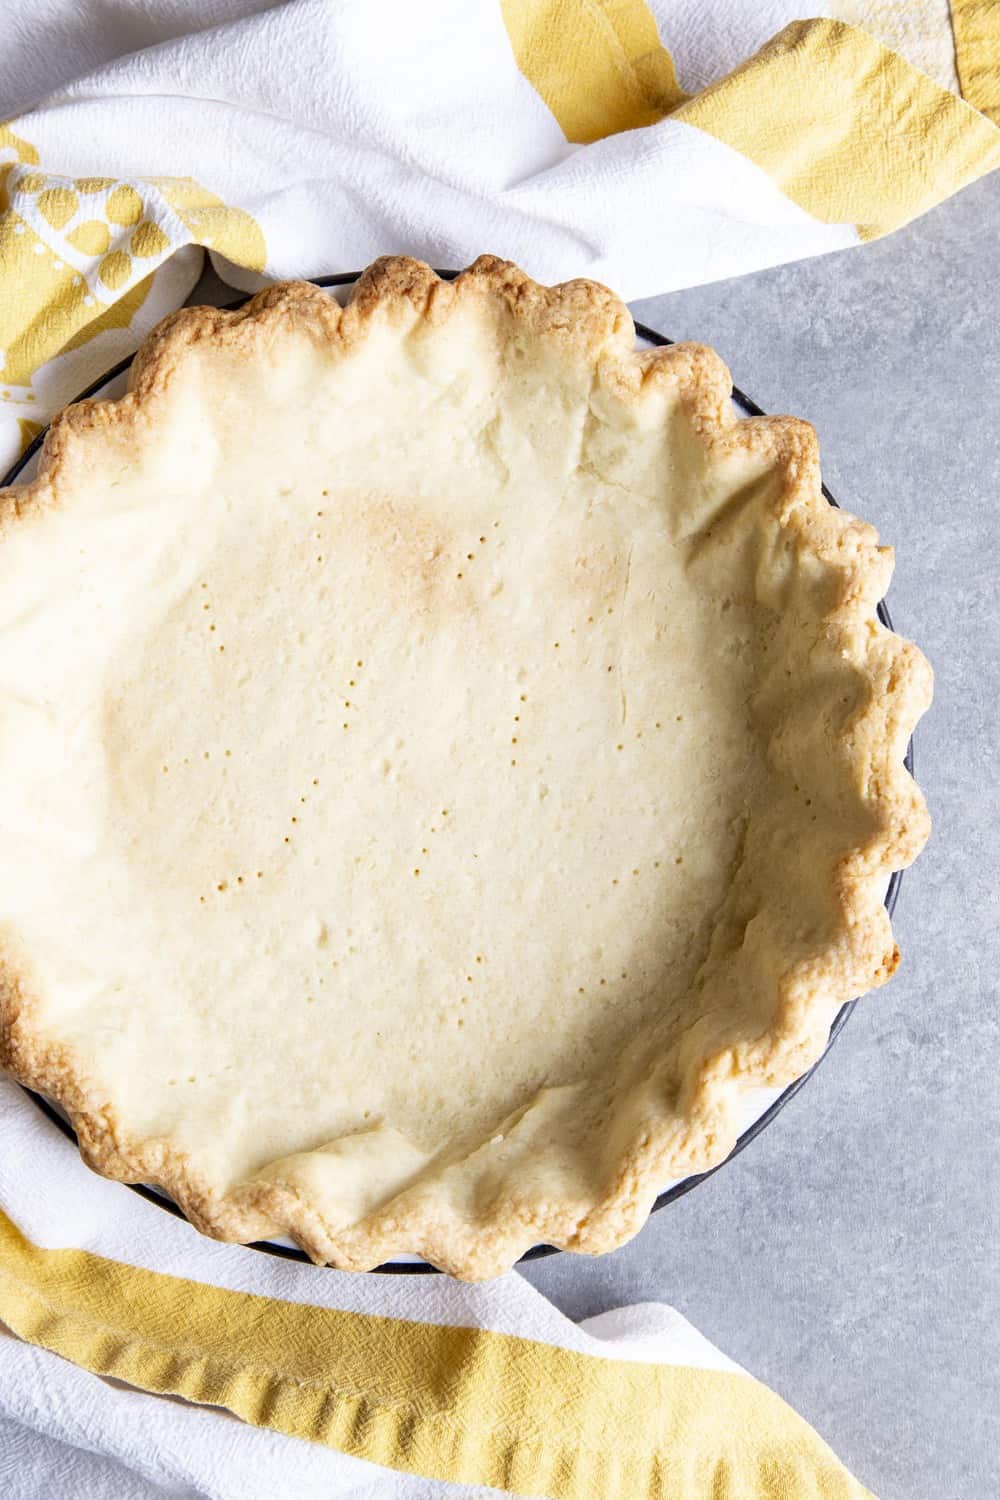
{"x": 851, "y": 1256}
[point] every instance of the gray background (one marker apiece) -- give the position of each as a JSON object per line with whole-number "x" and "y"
{"x": 851, "y": 1256}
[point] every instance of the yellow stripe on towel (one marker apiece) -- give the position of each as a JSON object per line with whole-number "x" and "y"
{"x": 850, "y": 131}
{"x": 847, "y": 129}
{"x": 599, "y": 65}
{"x": 976, "y": 24}
{"x": 466, "y": 1405}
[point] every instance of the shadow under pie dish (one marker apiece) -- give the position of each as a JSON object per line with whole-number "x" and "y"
{"x": 447, "y": 760}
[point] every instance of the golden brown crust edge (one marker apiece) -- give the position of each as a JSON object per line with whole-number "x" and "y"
{"x": 588, "y": 322}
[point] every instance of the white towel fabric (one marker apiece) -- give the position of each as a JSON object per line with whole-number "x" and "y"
{"x": 277, "y": 108}
{"x": 68, "y": 1435}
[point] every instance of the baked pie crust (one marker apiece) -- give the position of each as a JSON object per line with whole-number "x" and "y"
{"x": 446, "y": 759}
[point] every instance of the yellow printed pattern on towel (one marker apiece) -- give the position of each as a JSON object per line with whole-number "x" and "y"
{"x": 82, "y": 253}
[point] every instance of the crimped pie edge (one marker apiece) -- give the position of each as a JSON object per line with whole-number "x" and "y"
{"x": 589, "y": 323}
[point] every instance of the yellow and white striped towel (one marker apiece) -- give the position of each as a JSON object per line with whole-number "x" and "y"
{"x": 653, "y": 145}
{"x": 443, "y": 1388}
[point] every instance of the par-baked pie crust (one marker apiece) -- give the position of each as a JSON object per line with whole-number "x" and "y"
{"x": 446, "y": 759}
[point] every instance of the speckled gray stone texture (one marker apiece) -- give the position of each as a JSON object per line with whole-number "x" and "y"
{"x": 851, "y": 1256}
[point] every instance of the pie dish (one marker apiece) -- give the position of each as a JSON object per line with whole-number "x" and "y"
{"x": 446, "y": 759}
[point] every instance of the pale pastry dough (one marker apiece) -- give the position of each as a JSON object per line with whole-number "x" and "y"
{"x": 445, "y": 758}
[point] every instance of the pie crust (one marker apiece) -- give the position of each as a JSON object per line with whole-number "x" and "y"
{"x": 446, "y": 759}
